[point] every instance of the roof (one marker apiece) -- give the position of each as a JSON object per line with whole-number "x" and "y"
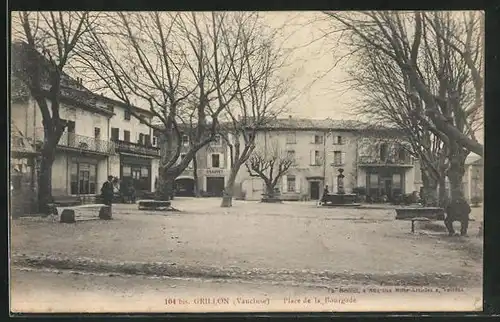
{"x": 70, "y": 88}
{"x": 473, "y": 159}
{"x": 314, "y": 124}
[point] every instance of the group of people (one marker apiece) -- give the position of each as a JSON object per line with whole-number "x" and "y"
{"x": 111, "y": 187}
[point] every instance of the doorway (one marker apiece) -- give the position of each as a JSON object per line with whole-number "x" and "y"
{"x": 314, "y": 190}
{"x": 215, "y": 186}
{"x": 388, "y": 188}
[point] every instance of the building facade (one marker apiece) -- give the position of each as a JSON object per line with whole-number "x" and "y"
{"x": 212, "y": 167}
{"x": 89, "y": 149}
{"x": 137, "y": 156}
{"x": 320, "y": 149}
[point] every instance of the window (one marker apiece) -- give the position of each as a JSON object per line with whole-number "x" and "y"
{"x": 126, "y": 171}
{"x": 185, "y": 140}
{"x": 141, "y": 138}
{"x": 291, "y": 138}
{"x": 383, "y": 151}
{"x": 315, "y": 158}
{"x": 339, "y": 140}
{"x": 290, "y": 155}
{"x": 290, "y": 183}
{"x": 97, "y": 132}
{"x": 126, "y": 115}
{"x": 338, "y": 158}
{"x": 115, "y": 134}
{"x": 318, "y": 139}
{"x": 215, "y": 160}
{"x": 126, "y": 136}
{"x": 217, "y": 141}
{"x": 402, "y": 154}
{"x": 396, "y": 181}
{"x": 155, "y": 141}
{"x": 147, "y": 140}
{"x": 83, "y": 178}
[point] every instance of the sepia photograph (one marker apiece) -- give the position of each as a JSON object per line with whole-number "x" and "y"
{"x": 246, "y": 161}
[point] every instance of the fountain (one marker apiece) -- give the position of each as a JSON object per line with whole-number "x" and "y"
{"x": 341, "y": 198}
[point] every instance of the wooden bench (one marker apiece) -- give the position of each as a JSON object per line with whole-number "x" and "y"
{"x": 68, "y": 213}
{"x": 433, "y": 213}
{"x": 153, "y": 204}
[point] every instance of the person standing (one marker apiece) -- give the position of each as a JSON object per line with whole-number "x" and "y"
{"x": 107, "y": 191}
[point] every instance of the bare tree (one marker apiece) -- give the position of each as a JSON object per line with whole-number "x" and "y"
{"x": 450, "y": 99}
{"x": 47, "y": 44}
{"x": 270, "y": 165}
{"x": 260, "y": 93}
{"x": 176, "y": 65}
{"x": 384, "y": 100}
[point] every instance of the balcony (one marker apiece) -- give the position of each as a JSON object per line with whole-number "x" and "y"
{"x": 80, "y": 143}
{"x": 137, "y": 148}
{"x": 371, "y": 161}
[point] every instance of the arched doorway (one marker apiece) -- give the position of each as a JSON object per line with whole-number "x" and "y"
{"x": 184, "y": 187}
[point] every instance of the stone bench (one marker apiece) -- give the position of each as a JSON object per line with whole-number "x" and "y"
{"x": 63, "y": 201}
{"x": 432, "y": 213}
{"x": 419, "y": 219}
{"x": 153, "y": 204}
{"x": 68, "y": 213}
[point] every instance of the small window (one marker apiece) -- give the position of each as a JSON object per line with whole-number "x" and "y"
{"x": 290, "y": 155}
{"x": 141, "y": 138}
{"x": 215, "y": 160}
{"x": 318, "y": 139}
{"x": 115, "y": 134}
{"x": 290, "y": 183}
{"x": 383, "y": 151}
{"x": 339, "y": 140}
{"x": 317, "y": 158}
{"x": 126, "y": 115}
{"x": 126, "y": 136}
{"x": 337, "y": 158}
{"x": 185, "y": 140}
{"x": 291, "y": 138}
{"x": 97, "y": 132}
{"x": 155, "y": 140}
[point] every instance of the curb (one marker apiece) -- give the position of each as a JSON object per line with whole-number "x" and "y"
{"x": 277, "y": 275}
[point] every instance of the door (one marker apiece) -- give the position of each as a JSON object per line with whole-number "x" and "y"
{"x": 215, "y": 186}
{"x": 388, "y": 188}
{"x": 314, "y": 190}
{"x": 84, "y": 182}
{"x": 71, "y": 126}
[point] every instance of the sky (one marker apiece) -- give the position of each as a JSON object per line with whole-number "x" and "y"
{"x": 315, "y": 56}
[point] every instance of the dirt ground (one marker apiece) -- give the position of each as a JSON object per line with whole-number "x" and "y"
{"x": 293, "y": 236}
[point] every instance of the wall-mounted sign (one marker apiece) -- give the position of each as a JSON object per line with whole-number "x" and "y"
{"x": 214, "y": 171}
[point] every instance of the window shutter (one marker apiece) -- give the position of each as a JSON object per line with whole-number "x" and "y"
{"x": 284, "y": 186}
{"x": 297, "y": 184}
{"x": 343, "y": 160}
{"x": 311, "y": 158}
{"x": 209, "y": 161}
{"x": 313, "y": 139}
{"x": 221, "y": 160}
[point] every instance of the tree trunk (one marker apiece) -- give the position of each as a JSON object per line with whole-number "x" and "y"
{"x": 443, "y": 197}
{"x": 45, "y": 182}
{"x": 166, "y": 184}
{"x": 227, "y": 199}
{"x": 195, "y": 177}
{"x": 429, "y": 191}
{"x": 269, "y": 191}
{"x": 459, "y": 209}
